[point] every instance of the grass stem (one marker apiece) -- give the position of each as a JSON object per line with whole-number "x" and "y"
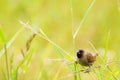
{"x": 7, "y": 65}
{"x": 84, "y": 18}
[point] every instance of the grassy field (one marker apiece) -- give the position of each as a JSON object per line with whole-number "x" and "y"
{"x": 39, "y": 39}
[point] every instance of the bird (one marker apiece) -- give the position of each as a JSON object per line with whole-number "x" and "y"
{"x": 85, "y": 58}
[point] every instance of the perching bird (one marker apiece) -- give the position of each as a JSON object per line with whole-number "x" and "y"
{"x": 85, "y": 58}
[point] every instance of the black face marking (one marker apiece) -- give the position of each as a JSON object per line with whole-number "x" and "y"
{"x": 80, "y": 54}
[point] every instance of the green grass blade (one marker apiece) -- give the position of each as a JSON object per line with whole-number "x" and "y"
{"x": 11, "y": 63}
{"x": 9, "y": 43}
{"x": 75, "y": 70}
{"x": 7, "y": 64}
{"x": 26, "y": 59}
{"x": 2, "y": 37}
{"x": 84, "y": 18}
{"x": 111, "y": 72}
{"x": 27, "y": 63}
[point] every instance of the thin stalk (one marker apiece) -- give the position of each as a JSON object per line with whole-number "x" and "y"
{"x": 79, "y": 74}
{"x": 84, "y": 18}
{"x": 7, "y": 65}
{"x": 75, "y": 70}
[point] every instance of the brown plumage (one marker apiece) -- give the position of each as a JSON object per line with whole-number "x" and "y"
{"x": 85, "y": 58}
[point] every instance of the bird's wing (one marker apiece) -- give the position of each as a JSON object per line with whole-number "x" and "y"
{"x": 90, "y": 57}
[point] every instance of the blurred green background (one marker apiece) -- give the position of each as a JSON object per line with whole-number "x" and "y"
{"x": 54, "y": 18}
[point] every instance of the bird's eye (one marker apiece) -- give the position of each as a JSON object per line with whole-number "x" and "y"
{"x": 80, "y": 53}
